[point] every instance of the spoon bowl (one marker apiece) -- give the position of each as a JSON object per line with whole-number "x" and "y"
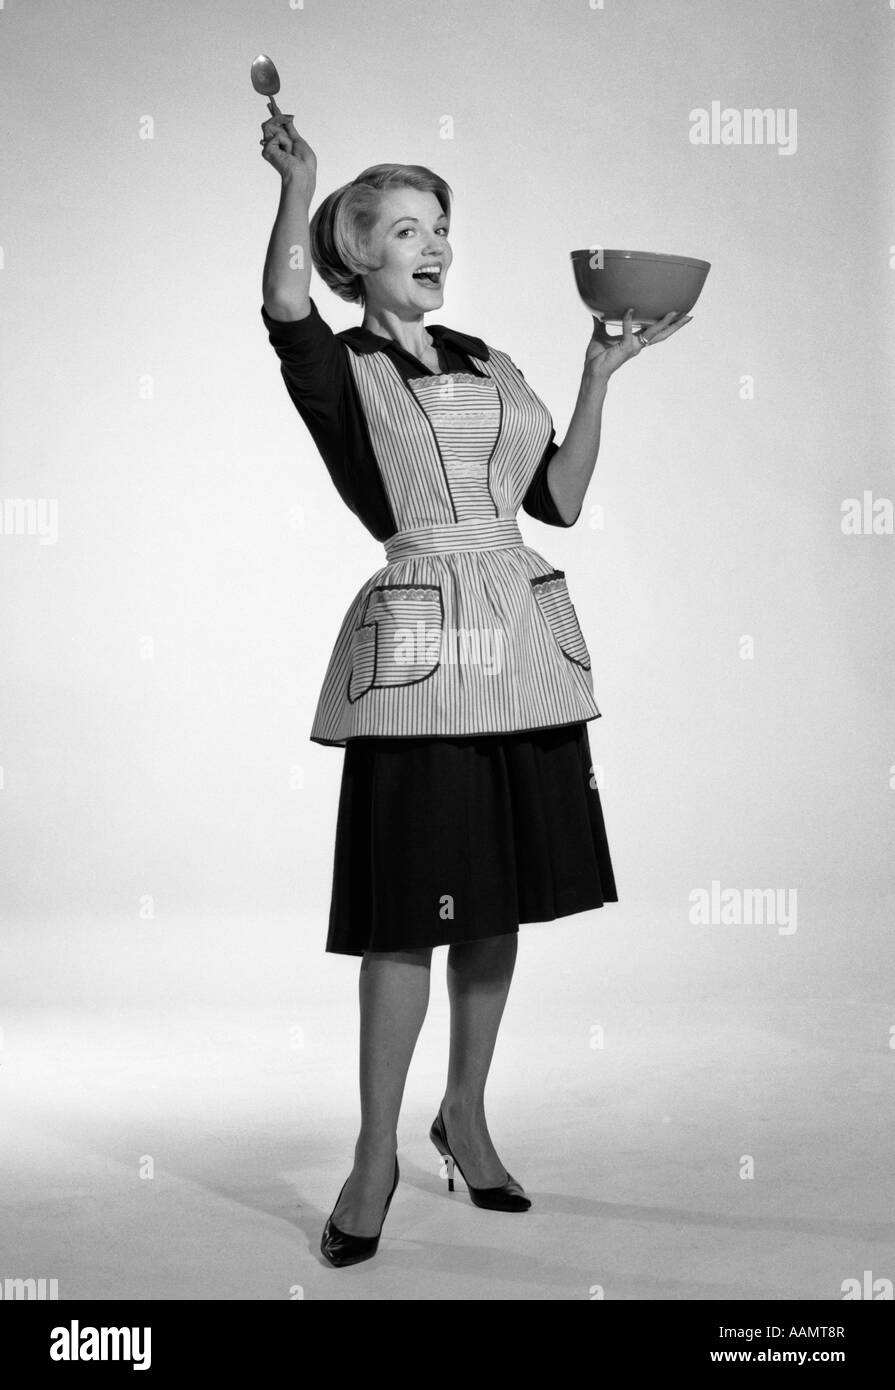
{"x": 266, "y": 80}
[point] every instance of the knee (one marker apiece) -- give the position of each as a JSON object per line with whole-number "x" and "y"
{"x": 491, "y": 951}
{"x": 413, "y": 955}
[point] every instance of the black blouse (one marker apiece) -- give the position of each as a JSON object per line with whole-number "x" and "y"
{"x": 314, "y": 366}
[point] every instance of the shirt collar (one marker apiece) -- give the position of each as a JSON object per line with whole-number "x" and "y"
{"x": 365, "y": 340}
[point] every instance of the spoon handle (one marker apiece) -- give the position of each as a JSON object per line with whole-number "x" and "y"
{"x": 273, "y": 108}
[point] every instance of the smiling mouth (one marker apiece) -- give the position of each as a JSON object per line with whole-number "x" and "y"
{"x": 428, "y": 275}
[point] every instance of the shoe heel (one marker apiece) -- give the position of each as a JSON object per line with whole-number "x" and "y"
{"x": 446, "y": 1168}
{"x": 509, "y": 1196}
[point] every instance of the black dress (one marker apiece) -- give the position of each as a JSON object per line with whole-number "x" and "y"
{"x": 442, "y": 839}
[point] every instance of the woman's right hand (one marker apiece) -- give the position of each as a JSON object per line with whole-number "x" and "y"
{"x": 289, "y": 153}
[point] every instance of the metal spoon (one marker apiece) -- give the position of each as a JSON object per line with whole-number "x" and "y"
{"x": 266, "y": 80}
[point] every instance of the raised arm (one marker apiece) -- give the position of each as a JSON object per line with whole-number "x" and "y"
{"x": 287, "y": 268}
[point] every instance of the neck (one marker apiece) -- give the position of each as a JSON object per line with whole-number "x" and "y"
{"x": 408, "y": 332}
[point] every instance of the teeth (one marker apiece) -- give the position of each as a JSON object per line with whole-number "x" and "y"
{"x": 428, "y": 270}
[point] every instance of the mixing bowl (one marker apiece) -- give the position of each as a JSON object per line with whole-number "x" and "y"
{"x": 610, "y": 282}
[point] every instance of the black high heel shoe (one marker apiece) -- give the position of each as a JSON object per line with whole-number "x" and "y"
{"x": 342, "y": 1248}
{"x": 510, "y": 1197}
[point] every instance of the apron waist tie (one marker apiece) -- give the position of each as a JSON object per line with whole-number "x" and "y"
{"x": 498, "y": 533}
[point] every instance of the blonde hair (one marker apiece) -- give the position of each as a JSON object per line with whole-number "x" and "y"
{"x": 342, "y": 224}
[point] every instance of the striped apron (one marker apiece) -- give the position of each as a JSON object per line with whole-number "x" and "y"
{"x": 465, "y": 630}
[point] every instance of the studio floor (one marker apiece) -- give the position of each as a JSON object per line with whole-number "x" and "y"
{"x": 712, "y": 1120}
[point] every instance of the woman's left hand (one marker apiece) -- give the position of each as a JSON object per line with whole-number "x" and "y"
{"x": 605, "y": 355}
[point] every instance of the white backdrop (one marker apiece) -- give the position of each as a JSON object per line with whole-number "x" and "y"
{"x": 163, "y": 654}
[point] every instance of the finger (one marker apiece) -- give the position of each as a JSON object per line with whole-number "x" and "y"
{"x": 601, "y": 331}
{"x": 278, "y": 142}
{"x": 659, "y": 331}
{"x": 275, "y": 123}
{"x": 273, "y": 108}
{"x": 672, "y": 328}
{"x": 627, "y": 338}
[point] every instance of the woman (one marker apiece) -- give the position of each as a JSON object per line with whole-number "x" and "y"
{"x": 460, "y": 684}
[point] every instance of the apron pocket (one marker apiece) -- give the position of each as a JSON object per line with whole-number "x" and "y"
{"x": 552, "y": 595}
{"x": 363, "y": 662}
{"x": 398, "y": 640}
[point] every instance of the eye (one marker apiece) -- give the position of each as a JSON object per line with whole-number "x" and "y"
{"x": 445, "y": 230}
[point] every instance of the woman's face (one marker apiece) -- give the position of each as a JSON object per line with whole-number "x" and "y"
{"x": 411, "y": 233}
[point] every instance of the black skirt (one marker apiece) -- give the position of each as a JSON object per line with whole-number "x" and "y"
{"x": 455, "y": 839}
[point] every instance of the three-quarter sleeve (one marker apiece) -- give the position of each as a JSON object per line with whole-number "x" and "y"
{"x": 314, "y": 367}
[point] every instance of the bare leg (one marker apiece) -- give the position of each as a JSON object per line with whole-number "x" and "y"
{"x": 478, "y": 978}
{"x": 394, "y": 995}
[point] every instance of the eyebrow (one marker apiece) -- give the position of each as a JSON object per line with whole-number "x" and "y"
{"x": 443, "y": 217}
